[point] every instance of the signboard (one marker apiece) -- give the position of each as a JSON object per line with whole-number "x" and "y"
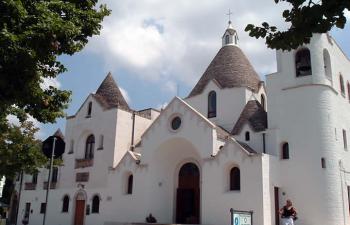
{"x": 48, "y": 145}
{"x": 241, "y": 217}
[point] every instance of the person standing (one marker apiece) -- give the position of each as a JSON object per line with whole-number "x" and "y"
{"x": 288, "y": 213}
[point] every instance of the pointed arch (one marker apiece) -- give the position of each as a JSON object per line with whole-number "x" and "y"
{"x": 95, "y": 204}
{"x": 212, "y": 104}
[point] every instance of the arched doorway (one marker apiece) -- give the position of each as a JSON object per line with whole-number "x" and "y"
{"x": 79, "y": 209}
{"x": 188, "y": 195}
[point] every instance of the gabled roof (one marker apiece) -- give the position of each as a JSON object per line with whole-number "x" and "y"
{"x": 109, "y": 94}
{"x": 230, "y": 68}
{"x": 247, "y": 147}
{"x": 59, "y": 133}
{"x": 254, "y": 114}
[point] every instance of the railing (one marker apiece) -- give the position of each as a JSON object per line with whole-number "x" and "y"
{"x": 29, "y": 186}
{"x": 52, "y": 185}
{"x": 82, "y": 163}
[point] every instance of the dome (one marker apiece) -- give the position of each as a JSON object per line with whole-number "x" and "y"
{"x": 229, "y": 68}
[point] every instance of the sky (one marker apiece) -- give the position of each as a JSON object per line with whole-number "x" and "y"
{"x": 157, "y": 49}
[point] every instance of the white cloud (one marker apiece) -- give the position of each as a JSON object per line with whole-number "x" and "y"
{"x": 125, "y": 95}
{"x": 170, "y": 87}
{"x": 158, "y": 40}
{"x": 40, "y": 134}
{"x": 13, "y": 120}
{"x": 162, "y": 106}
{"x": 47, "y": 82}
{"x": 347, "y": 15}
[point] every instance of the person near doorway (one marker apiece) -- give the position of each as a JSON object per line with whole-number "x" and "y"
{"x": 288, "y": 213}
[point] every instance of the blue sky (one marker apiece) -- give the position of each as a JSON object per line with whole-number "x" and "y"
{"x": 153, "y": 47}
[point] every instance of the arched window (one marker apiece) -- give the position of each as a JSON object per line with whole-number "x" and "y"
{"x": 303, "y": 62}
{"x": 227, "y": 39}
{"x": 262, "y": 101}
{"x": 285, "y": 150}
{"x": 348, "y": 87}
{"x": 327, "y": 64}
{"x": 212, "y": 104}
{"x": 235, "y": 179}
{"x": 89, "y": 109}
{"x": 130, "y": 184}
{"x": 95, "y": 204}
{"x": 89, "y": 147}
{"x": 65, "y": 205}
{"x": 247, "y": 136}
{"x": 341, "y": 83}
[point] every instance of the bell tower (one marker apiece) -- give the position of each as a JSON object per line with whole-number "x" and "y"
{"x": 230, "y": 36}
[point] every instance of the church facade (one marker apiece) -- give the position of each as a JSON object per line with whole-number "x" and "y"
{"x": 234, "y": 142}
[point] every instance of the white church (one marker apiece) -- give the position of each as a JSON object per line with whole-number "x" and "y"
{"x": 234, "y": 142}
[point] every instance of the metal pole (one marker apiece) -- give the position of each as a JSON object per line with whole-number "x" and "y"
{"x": 49, "y": 179}
{"x": 19, "y": 197}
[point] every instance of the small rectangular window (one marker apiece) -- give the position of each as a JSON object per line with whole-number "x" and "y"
{"x": 54, "y": 175}
{"x": 35, "y": 178}
{"x": 89, "y": 110}
{"x": 323, "y": 163}
{"x": 100, "y": 145}
{"x": 71, "y": 147}
{"x": 345, "y": 141}
{"x": 43, "y": 208}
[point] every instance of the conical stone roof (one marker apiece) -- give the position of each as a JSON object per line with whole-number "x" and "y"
{"x": 230, "y": 68}
{"x": 109, "y": 94}
{"x": 59, "y": 133}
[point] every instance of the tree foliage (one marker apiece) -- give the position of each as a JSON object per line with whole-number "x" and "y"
{"x": 33, "y": 33}
{"x": 306, "y": 17}
{"x": 20, "y": 151}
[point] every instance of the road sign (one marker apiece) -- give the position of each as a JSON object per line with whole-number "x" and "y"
{"x": 48, "y": 145}
{"x": 241, "y": 217}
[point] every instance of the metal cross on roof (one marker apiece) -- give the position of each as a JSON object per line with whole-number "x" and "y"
{"x": 229, "y": 14}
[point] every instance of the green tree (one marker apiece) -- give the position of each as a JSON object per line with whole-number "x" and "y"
{"x": 20, "y": 150}
{"x": 305, "y": 17}
{"x": 33, "y": 34}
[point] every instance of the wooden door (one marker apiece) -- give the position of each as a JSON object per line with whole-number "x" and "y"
{"x": 79, "y": 212}
{"x": 188, "y": 195}
{"x": 277, "y": 207}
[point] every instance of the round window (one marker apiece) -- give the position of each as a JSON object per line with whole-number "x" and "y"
{"x": 176, "y": 123}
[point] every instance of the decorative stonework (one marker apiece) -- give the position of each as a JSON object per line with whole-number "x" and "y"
{"x": 82, "y": 177}
{"x": 82, "y": 163}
